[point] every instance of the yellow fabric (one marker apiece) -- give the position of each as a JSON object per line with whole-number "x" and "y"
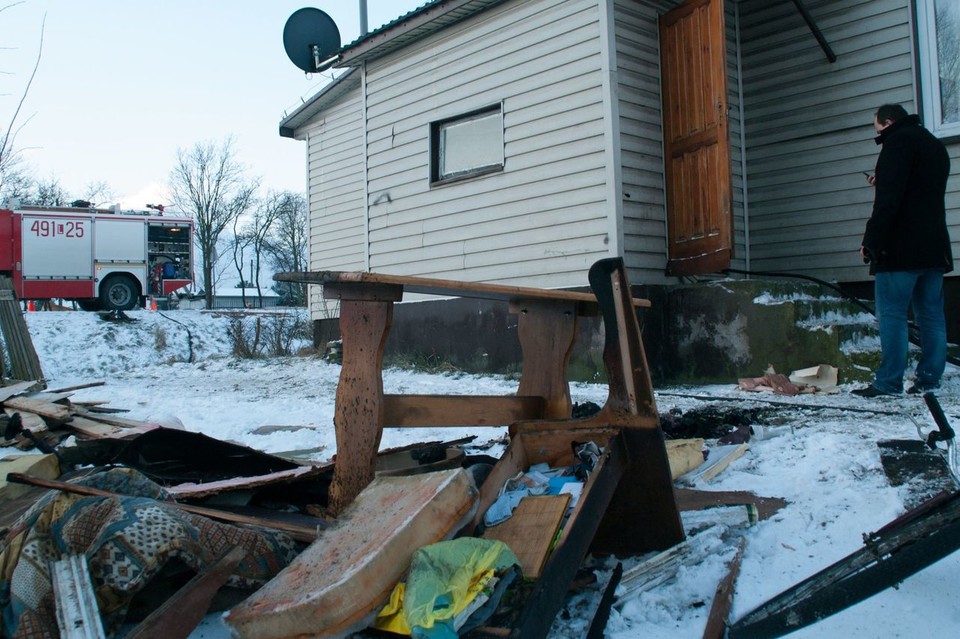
{"x": 444, "y": 578}
{"x": 391, "y": 617}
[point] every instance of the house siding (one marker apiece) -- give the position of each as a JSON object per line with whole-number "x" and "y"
{"x": 335, "y": 166}
{"x": 808, "y": 128}
{"x": 544, "y": 219}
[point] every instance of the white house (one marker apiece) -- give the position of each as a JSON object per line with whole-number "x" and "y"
{"x": 518, "y": 141}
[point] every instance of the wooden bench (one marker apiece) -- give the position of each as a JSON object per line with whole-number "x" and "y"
{"x": 547, "y": 329}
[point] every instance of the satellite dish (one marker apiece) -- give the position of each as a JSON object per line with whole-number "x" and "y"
{"x": 310, "y": 37}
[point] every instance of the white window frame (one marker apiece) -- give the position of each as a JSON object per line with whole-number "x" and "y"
{"x": 438, "y": 176}
{"x": 930, "y": 72}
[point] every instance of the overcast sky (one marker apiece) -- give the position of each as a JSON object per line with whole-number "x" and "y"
{"x": 122, "y": 84}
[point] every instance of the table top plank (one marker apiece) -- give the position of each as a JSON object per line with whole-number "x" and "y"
{"x": 441, "y": 287}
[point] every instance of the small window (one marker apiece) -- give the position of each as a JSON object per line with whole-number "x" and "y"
{"x": 466, "y": 146}
{"x": 938, "y": 29}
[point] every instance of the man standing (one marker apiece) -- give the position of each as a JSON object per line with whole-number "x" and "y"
{"x": 907, "y": 245}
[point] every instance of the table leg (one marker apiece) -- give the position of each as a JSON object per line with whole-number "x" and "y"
{"x": 547, "y": 331}
{"x": 358, "y": 416}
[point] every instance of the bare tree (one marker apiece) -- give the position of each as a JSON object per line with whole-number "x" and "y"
{"x": 210, "y": 184}
{"x": 98, "y": 193}
{"x": 9, "y": 152}
{"x": 269, "y": 210}
{"x": 286, "y": 245}
{"x": 48, "y": 192}
{"x": 239, "y": 244}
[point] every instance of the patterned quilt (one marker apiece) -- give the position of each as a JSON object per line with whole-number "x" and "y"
{"x": 127, "y": 541}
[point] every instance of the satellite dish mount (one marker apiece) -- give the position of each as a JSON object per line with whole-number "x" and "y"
{"x": 311, "y": 40}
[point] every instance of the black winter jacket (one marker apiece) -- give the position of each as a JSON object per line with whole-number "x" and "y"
{"x": 908, "y": 227}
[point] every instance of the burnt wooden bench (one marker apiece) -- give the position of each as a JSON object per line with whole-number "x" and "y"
{"x": 628, "y": 504}
{"x": 547, "y": 329}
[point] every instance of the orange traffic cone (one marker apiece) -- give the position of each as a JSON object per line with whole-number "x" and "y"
{"x": 153, "y": 303}
{"x": 31, "y": 307}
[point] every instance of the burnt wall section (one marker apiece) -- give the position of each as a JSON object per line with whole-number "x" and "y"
{"x": 708, "y": 332}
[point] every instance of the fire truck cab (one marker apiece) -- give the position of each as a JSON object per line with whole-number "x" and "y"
{"x": 102, "y": 258}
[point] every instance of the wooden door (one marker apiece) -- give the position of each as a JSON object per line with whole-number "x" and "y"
{"x": 696, "y": 138}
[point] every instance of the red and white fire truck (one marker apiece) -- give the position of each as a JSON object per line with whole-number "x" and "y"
{"x": 102, "y": 258}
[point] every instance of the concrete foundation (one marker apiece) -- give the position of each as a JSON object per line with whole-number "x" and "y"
{"x": 712, "y": 332}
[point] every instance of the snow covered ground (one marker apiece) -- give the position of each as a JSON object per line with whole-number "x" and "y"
{"x": 822, "y": 458}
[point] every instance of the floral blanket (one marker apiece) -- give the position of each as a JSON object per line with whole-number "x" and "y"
{"x": 127, "y": 540}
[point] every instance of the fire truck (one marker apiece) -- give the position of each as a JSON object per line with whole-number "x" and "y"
{"x": 104, "y": 259}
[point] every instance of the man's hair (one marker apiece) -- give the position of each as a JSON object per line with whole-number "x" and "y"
{"x": 892, "y": 112}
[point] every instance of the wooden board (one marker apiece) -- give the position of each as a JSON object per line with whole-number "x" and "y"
{"x": 58, "y": 412}
{"x": 531, "y": 530}
{"x": 431, "y": 286}
{"x": 719, "y": 458}
{"x": 346, "y": 575}
{"x": 684, "y": 455}
{"x": 688, "y": 499}
{"x": 192, "y": 490}
{"x": 98, "y": 430}
{"x": 15, "y": 389}
{"x": 113, "y": 421}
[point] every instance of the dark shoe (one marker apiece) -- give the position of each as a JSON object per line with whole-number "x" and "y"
{"x": 868, "y": 392}
{"x": 919, "y": 389}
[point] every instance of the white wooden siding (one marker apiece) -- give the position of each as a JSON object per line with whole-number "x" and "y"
{"x": 542, "y": 221}
{"x": 335, "y": 169}
{"x": 809, "y": 132}
{"x": 641, "y": 139}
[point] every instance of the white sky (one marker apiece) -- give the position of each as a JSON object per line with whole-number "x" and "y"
{"x": 123, "y": 84}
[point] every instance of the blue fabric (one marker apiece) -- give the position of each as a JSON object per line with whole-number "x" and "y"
{"x": 502, "y": 509}
{"x": 896, "y": 292}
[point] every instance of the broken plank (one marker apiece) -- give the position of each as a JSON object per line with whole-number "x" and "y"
{"x": 76, "y": 387}
{"x": 655, "y": 570}
{"x": 334, "y": 586}
{"x": 180, "y": 614}
{"x": 197, "y": 491}
{"x": 690, "y": 499}
{"x": 716, "y": 627}
{"x": 46, "y": 396}
{"x": 113, "y": 421}
{"x": 531, "y": 530}
{"x": 17, "y": 388}
{"x": 599, "y": 624}
{"x": 92, "y": 429}
{"x": 96, "y": 407}
{"x": 56, "y": 412}
{"x": 719, "y": 458}
{"x": 78, "y": 615}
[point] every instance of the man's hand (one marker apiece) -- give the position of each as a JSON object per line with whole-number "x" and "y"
{"x": 871, "y": 179}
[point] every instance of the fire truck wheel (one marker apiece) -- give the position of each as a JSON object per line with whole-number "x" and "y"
{"x": 89, "y": 305}
{"x": 118, "y": 293}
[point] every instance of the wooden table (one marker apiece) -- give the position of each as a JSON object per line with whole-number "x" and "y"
{"x": 547, "y": 329}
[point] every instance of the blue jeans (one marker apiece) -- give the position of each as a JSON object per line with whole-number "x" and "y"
{"x": 895, "y": 292}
